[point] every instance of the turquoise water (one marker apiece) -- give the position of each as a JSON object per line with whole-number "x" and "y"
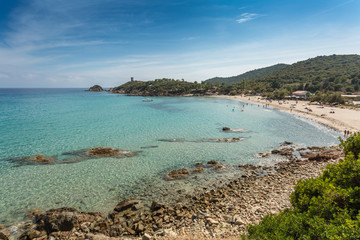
{"x": 54, "y": 121}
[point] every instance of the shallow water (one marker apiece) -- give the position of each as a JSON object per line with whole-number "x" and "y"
{"x": 54, "y": 121}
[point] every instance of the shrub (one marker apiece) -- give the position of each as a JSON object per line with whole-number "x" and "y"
{"x": 351, "y": 144}
{"x": 326, "y": 207}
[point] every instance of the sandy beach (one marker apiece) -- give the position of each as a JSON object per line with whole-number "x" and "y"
{"x": 340, "y": 119}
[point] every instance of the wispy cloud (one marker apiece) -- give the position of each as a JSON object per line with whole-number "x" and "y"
{"x": 245, "y": 17}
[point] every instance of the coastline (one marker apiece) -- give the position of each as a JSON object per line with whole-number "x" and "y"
{"x": 342, "y": 119}
{"x": 221, "y": 212}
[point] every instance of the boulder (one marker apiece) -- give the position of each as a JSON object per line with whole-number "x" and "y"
{"x": 126, "y": 204}
{"x": 263, "y": 154}
{"x": 321, "y": 154}
{"x": 219, "y": 167}
{"x": 4, "y": 234}
{"x": 63, "y": 219}
{"x": 212, "y": 163}
{"x": 248, "y": 167}
{"x": 198, "y": 170}
{"x": 288, "y": 152}
{"x": 156, "y": 206}
{"x": 146, "y": 236}
{"x": 226, "y": 129}
{"x": 177, "y": 174}
{"x": 199, "y": 164}
{"x": 285, "y": 143}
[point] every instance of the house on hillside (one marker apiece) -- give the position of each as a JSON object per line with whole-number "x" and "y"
{"x": 299, "y": 95}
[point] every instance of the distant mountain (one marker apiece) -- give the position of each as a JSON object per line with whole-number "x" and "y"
{"x": 248, "y": 76}
{"x": 329, "y": 73}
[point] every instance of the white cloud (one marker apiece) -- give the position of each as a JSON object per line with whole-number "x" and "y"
{"x": 245, "y": 17}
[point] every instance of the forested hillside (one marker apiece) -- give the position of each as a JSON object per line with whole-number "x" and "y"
{"x": 325, "y": 75}
{"x": 248, "y": 76}
{"x": 328, "y": 73}
{"x": 163, "y": 87}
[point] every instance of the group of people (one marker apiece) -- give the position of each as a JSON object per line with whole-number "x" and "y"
{"x": 346, "y": 133}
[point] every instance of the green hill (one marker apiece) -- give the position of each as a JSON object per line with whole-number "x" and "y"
{"x": 163, "y": 87}
{"x": 329, "y": 73}
{"x": 248, "y": 76}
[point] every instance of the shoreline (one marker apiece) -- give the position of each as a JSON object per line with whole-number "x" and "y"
{"x": 222, "y": 212}
{"x": 247, "y": 196}
{"x": 342, "y": 119}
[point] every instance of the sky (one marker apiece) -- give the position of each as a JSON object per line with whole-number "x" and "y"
{"x": 79, "y": 43}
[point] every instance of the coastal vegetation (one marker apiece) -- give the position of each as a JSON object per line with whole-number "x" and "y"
{"x": 325, "y": 77}
{"x": 326, "y": 207}
{"x": 164, "y": 87}
{"x": 96, "y": 88}
{"x": 248, "y": 76}
{"x": 335, "y": 73}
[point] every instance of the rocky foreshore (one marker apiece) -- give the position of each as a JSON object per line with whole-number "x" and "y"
{"x": 220, "y": 212}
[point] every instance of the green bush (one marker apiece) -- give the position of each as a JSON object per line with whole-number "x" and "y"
{"x": 326, "y": 207}
{"x": 351, "y": 144}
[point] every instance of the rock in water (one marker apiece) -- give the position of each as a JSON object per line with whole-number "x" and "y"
{"x": 177, "y": 174}
{"x": 108, "y": 152}
{"x": 41, "y": 159}
{"x": 96, "y": 88}
{"x": 198, "y": 170}
{"x": 212, "y": 163}
{"x": 226, "y": 129}
{"x": 32, "y": 160}
{"x": 126, "y": 204}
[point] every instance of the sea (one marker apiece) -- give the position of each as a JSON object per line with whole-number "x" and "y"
{"x": 167, "y": 133}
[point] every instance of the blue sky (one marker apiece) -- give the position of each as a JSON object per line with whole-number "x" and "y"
{"x": 78, "y": 43}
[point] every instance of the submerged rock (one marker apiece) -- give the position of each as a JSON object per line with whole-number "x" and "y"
{"x": 212, "y": 163}
{"x": 41, "y": 159}
{"x": 177, "y": 174}
{"x": 285, "y": 143}
{"x": 248, "y": 167}
{"x": 97, "y": 152}
{"x": 32, "y": 160}
{"x": 219, "y": 167}
{"x": 264, "y": 154}
{"x": 76, "y": 156}
{"x": 283, "y": 151}
{"x": 198, "y": 170}
{"x": 108, "y": 152}
{"x": 220, "y": 140}
{"x": 147, "y": 147}
{"x": 172, "y": 140}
